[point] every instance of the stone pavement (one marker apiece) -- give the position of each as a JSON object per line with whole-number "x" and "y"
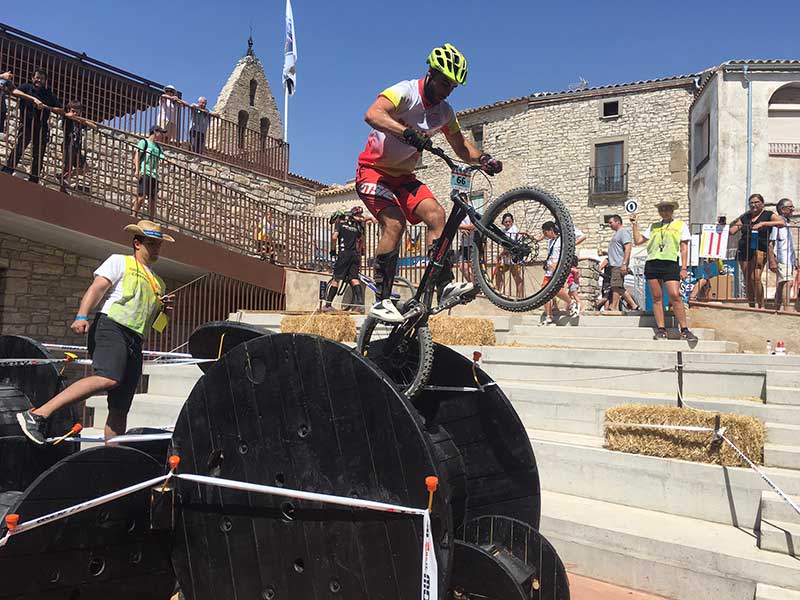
{"x": 583, "y": 588}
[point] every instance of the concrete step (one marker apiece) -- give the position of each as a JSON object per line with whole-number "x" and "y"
{"x": 611, "y": 320}
{"x": 783, "y": 378}
{"x": 172, "y": 380}
{"x": 770, "y": 592}
{"x": 783, "y": 395}
{"x": 774, "y": 508}
{"x": 147, "y": 410}
{"x": 579, "y": 466}
{"x": 615, "y": 343}
{"x": 777, "y": 455}
{"x": 783, "y": 434}
{"x": 705, "y": 374}
{"x": 777, "y": 536}
{"x": 628, "y": 333}
{"x": 677, "y": 557}
{"x": 582, "y": 410}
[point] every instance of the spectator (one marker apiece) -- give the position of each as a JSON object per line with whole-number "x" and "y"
{"x": 619, "y": 258}
{"x": 347, "y": 235}
{"x": 753, "y": 246}
{"x": 134, "y": 303}
{"x": 6, "y": 87}
{"x": 574, "y": 288}
{"x": 198, "y": 126}
{"x": 551, "y": 234}
{"x": 703, "y": 273}
{"x": 580, "y": 237}
{"x": 504, "y": 264}
{"x": 36, "y": 103}
{"x": 265, "y": 244}
{"x": 146, "y": 161}
{"x": 667, "y": 243}
{"x": 603, "y": 301}
{"x": 783, "y": 257}
{"x": 169, "y": 113}
{"x": 74, "y": 159}
{"x": 467, "y": 233}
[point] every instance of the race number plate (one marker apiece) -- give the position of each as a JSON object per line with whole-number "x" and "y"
{"x": 461, "y": 180}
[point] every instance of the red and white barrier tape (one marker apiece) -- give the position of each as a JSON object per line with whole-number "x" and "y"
{"x": 35, "y": 362}
{"x": 719, "y": 433}
{"x": 119, "y": 439}
{"x": 145, "y": 352}
{"x": 429, "y": 582}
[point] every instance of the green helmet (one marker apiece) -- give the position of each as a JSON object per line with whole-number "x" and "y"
{"x": 450, "y": 62}
{"x": 336, "y": 215}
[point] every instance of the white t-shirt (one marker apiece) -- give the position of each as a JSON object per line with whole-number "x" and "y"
{"x": 554, "y": 253}
{"x": 113, "y": 269}
{"x": 169, "y": 111}
{"x": 392, "y": 155}
{"x": 512, "y": 233}
{"x": 784, "y": 245}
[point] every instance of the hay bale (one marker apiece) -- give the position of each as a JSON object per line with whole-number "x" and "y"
{"x": 339, "y": 328}
{"x": 462, "y": 331}
{"x": 746, "y": 432}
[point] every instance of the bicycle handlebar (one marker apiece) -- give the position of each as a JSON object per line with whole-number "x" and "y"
{"x": 450, "y": 162}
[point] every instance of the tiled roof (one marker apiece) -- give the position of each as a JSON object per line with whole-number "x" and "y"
{"x": 769, "y": 61}
{"x": 306, "y": 181}
{"x": 584, "y": 92}
{"x": 336, "y": 190}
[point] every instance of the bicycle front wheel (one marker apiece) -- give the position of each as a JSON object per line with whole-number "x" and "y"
{"x": 404, "y": 354}
{"x": 536, "y": 269}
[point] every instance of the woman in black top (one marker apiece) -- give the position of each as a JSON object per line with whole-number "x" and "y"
{"x": 752, "y": 250}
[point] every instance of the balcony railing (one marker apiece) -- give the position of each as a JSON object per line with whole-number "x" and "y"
{"x": 125, "y": 101}
{"x": 784, "y": 149}
{"x": 609, "y": 179}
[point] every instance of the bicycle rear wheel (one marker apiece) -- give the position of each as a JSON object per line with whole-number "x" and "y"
{"x": 403, "y": 353}
{"x": 518, "y": 282}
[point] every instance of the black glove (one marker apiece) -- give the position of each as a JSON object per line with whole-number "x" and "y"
{"x": 491, "y": 165}
{"x": 333, "y": 253}
{"x": 420, "y": 141}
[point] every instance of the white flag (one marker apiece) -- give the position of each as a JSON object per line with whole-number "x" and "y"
{"x": 430, "y": 570}
{"x": 290, "y": 52}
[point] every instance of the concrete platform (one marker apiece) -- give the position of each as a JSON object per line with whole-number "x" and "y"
{"x": 585, "y": 588}
{"x": 774, "y": 508}
{"x": 781, "y": 378}
{"x": 781, "y": 537}
{"x": 769, "y": 592}
{"x": 579, "y": 466}
{"x": 777, "y": 455}
{"x": 677, "y": 557}
{"x": 629, "y": 333}
{"x": 784, "y": 395}
{"x": 616, "y": 343}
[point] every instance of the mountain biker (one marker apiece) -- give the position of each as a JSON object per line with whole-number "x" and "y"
{"x": 347, "y": 236}
{"x": 403, "y": 119}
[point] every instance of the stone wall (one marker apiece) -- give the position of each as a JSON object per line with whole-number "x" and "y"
{"x": 550, "y": 144}
{"x": 41, "y": 287}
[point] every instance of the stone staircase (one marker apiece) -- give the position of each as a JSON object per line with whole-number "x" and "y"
{"x": 668, "y": 527}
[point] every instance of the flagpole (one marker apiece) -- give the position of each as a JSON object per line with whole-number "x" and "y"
{"x": 286, "y": 114}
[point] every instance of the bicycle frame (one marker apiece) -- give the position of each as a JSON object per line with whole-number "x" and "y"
{"x": 461, "y": 208}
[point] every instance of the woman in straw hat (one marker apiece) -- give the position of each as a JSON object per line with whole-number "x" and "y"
{"x": 134, "y": 302}
{"x": 667, "y": 264}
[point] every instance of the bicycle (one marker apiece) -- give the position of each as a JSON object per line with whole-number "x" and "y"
{"x": 404, "y": 351}
{"x": 369, "y": 282}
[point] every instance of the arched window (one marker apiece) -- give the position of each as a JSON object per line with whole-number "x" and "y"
{"x": 243, "y": 117}
{"x": 783, "y": 125}
{"x": 253, "y": 88}
{"x": 264, "y": 131}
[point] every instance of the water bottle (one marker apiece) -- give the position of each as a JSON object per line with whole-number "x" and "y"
{"x": 769, "y": 346}
{"x": 753, "y": 240}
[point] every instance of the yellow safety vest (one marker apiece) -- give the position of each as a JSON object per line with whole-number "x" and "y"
{"x": 140, "y": 302}
{"x": 665, "y": 241}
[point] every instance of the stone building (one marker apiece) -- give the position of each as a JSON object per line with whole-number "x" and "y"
{"x": 246, "y": 98}
{"x": 336, "y": 197}
{"x": 720, "y": 121}
{"x": 593, "y": 148}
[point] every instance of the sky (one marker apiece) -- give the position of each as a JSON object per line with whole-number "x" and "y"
{"x": 350, "y": 50}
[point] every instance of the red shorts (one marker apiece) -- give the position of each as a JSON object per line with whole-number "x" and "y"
{"x": 378, "y": 191}
{"x": 546, "y": 279}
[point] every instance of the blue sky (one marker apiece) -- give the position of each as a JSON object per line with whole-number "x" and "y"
{"x": 349, "y": 50}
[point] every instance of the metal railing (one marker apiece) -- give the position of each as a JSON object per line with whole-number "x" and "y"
{"x": 610, "y": 179}
{"x": 212, "y": 297}
{"x": 745, "y": 274}
{"x": 784, "y": 149}
{"x": 127, "y": 102}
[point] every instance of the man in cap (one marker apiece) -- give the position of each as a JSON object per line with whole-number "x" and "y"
{"x": 134, "y": 301}
{"x": 169, "y": 114}
{"x": 146, "y": 165}
{"x": 667, "y": 264}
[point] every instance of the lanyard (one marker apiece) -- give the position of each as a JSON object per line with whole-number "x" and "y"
{"x": 153, "y": 284}
{"x": 663, "y": 234}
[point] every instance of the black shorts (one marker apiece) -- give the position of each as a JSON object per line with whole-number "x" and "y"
{"x": 74, "y": 158}
{"x": 346, "y": 266}
{"x": 116, "y": 353}
{"x": 663, "y": 270}
{"x": 148, "y": 187}
{"x": 465, "y": 253}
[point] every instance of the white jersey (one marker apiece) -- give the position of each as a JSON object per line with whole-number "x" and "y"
{"x": 392, "y": 155}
